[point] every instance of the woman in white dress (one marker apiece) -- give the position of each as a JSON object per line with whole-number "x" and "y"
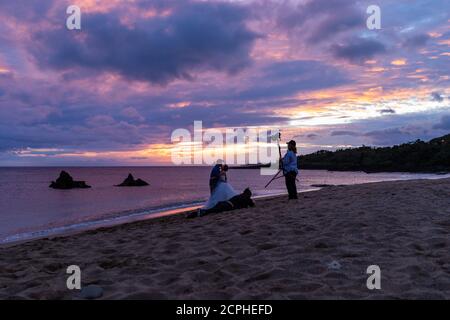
{"x": 223, "y": 191}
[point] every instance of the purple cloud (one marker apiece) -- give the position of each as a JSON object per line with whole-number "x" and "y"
{"x": 387, "y": 111}
{"x": 415, "y": 41}
{"x": 258, "y": 63}
{"x": 344, "y": 133}
{"x": 196, "y": 36}
{"x": 289, "y": 77}
{"x": 436, "y": 96}
{"x": 359, "y": 50}
{"x": 444, "y": 123}
{"x": 320, "y": 20}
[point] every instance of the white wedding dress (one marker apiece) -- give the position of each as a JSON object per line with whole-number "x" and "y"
{"x": 223, "y": 192}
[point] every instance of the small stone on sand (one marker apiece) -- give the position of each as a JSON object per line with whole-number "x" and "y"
{"x": 91, "y": 292}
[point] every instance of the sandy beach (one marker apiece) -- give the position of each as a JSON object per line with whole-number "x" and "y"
{"x": 318, "y": 247}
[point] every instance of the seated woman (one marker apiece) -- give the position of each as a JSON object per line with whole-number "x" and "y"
{"x": 222, "y": 191}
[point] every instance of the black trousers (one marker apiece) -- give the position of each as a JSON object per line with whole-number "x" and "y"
{"x": 220, "y": 207}
{"x": 290, "y": 184}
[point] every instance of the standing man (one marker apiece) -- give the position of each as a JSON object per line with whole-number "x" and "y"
{"x": 290, "y": 169}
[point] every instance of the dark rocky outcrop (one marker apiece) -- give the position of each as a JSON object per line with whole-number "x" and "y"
{"x": 130, "y": 182}
{"x": 65, "y": 181}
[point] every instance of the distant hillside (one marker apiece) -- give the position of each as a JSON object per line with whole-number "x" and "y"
{"x": 418, "y": 156}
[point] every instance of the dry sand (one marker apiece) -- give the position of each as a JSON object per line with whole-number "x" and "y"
{"x": 278, "y": 250}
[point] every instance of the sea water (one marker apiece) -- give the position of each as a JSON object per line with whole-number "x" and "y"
{"x": 29, "y": 208}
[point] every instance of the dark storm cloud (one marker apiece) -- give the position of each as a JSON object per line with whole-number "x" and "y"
{"x": 310, "y": 136}
{"x": 385, "y": 132}
{"x": 358, "y": 50}
{"x": 415, "y": 41}
{"x": 29, "y": 11}
{"x": 387, "y": 111}
{"x": 231, "y": 114}
{"x": 335, "y": 24}
{"x": 320, "y": 20}
{"x": 402, "y": 128}
{"x": 444, "y": 123}
{"x": 344, "y": 133}
{"x": 196, "y": 36}
{"x": 436, "y": 96}
{"x": 283, "y": 79}
{"x": 398, "y": 135}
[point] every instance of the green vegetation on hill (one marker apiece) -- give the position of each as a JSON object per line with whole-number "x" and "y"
{"x": 417, "y": 156}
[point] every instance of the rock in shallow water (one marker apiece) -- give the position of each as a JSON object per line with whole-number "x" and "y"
{"x": 65, "y": 181}
{"x": 130, "y": 182}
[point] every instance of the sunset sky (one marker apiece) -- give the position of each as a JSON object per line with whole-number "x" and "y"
{"x": 113, "y": 92}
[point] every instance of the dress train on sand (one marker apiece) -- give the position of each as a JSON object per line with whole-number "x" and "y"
{"x": 223, "y": 192}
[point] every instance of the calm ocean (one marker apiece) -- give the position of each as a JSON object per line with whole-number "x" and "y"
{"x": 30, "y": 209}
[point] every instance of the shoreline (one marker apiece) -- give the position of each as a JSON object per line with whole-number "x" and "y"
{"x": 318, "y": 247}
{"x": 146, "y": 214}
{"x": 109, "y": 222}
{"x": 77, "y": 214}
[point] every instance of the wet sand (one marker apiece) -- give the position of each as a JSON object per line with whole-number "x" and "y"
{"x": 318, "y": 247}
